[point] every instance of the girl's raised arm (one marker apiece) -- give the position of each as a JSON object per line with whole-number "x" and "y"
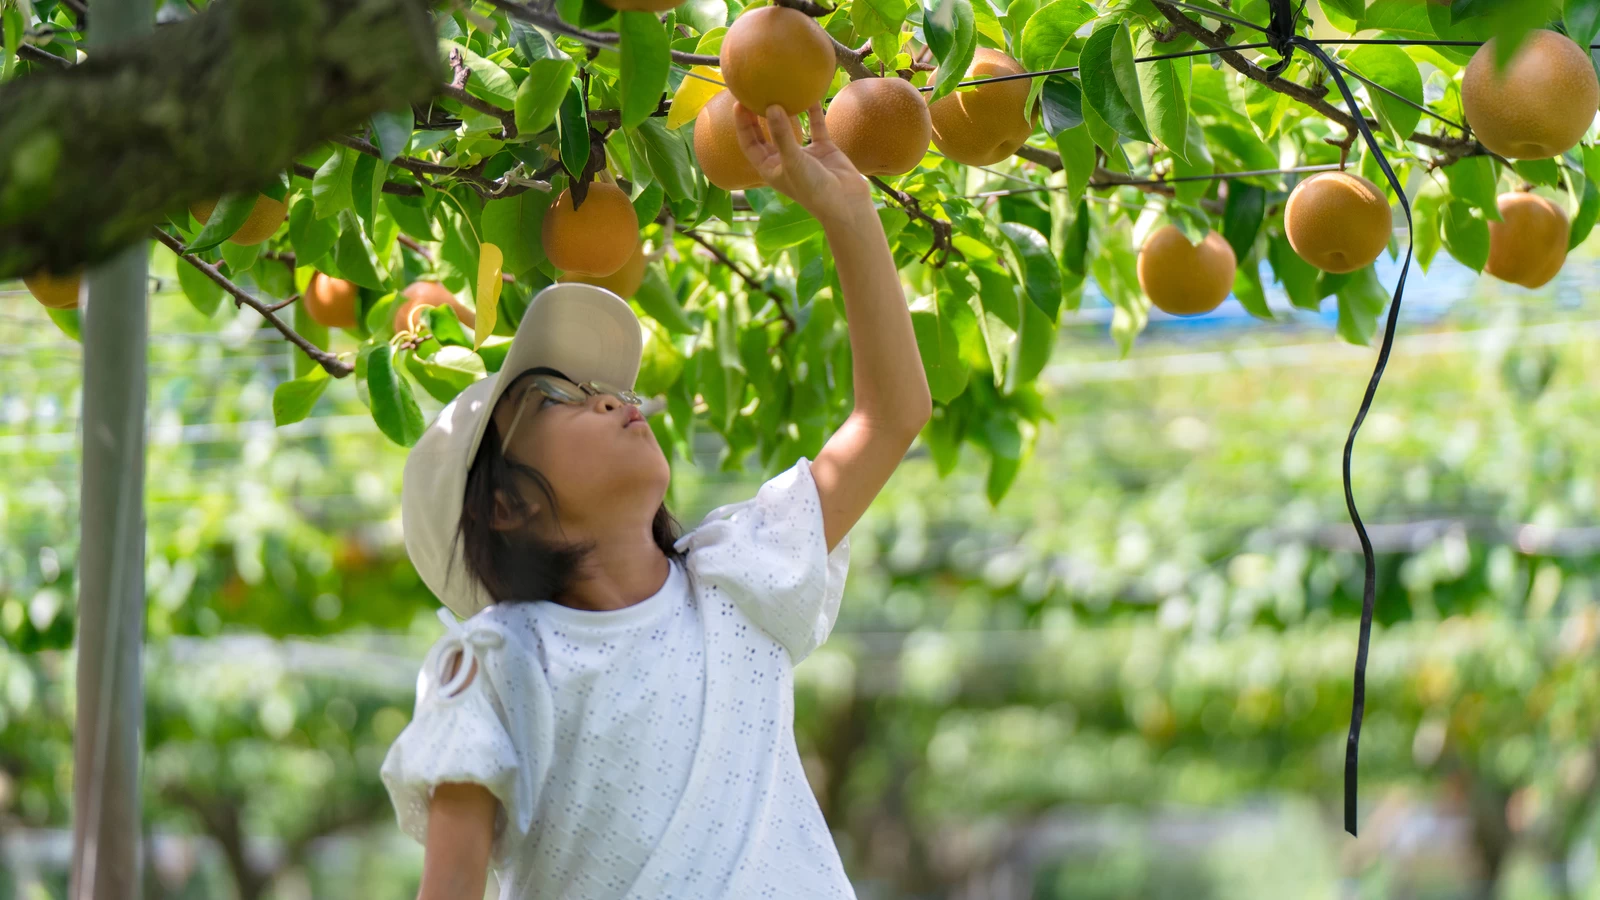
{"x": 891, "y": 390}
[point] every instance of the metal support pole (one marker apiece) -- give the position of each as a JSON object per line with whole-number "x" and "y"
{"x": 106, "y": 859}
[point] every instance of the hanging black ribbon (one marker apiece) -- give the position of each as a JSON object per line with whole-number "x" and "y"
{"x": 1281, "y": 35}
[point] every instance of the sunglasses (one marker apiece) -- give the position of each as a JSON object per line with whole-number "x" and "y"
{"x": 551, "y": 384}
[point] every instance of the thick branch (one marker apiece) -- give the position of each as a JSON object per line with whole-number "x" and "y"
{"x": 335, "y": 366}
{"x": 94, "y": 156}
{"x": 1308, "y": 96}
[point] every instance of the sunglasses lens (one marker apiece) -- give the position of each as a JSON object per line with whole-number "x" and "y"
{"x": 559, "y": 389}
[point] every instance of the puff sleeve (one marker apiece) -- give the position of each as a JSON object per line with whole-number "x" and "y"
{"x": 770, "y": 555}
{"x": 464, "y": 730}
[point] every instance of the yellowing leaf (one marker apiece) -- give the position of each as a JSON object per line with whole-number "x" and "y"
{"x": 489, "y": 261}
{"x": 693, "y": 94}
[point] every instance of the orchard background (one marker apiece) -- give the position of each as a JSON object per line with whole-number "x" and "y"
{"x": 1099, "y": 629}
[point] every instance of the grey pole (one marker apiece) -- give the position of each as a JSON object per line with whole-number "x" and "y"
{"x": 109, "y": 731}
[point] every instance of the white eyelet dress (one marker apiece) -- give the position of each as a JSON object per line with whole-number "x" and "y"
{"x": 646, "y": 753}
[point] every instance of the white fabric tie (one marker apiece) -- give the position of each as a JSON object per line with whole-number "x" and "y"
{"x": 471, "y": 640}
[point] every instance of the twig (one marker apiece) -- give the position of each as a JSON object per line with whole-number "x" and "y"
{"x": 411, "y": 242}
{"x": 334, "y": 366}
{"x": 34, "y": 54}
{"x": 777, "y": 299}
{"x": 548, "y": 20}
{"x": 809, "y": 7}
{"x": 277, "y": 306}
{"x": 508, "y": 120}
{"x": 940, "y": 228}
{"x": 389, "y": 187}
{"x": 1299, "y": 92}
{"x": 488, "y": 188}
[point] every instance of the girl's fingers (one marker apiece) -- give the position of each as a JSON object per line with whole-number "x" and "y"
{"x": 755, "y": 145}
{"x": 819, "y": 125}
{"x": 782, "y": 131}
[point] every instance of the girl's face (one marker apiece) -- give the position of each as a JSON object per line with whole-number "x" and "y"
{"x": 600, "y": 457}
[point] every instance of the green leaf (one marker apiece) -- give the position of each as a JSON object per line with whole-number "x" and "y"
{"x": 1030, "y": 257}
{"x": 941, "y": 358}
{"x": 1241, "y": 218}
{"x": 1062, "y": 104}
{"x": 1003, "y": 439}
{"x": 514, "y": 225}
{"x": 644, "y": 65}
{"x": 240, "y": 258}
{"x": 412, "y": 215}
{"x": 331, "y": 186}
{"x": 1111, "y": 83}
{"x": 1035, "y": 340}
{"x": 446, "y": 328}
{"x": 310, "y": 236}
{"x": 1539, "y": 171}
{"x": 204, "y": 294}
{"x": 1077, "y": 158}
{"x": 1298, "y": 277}
{"x": 1582, "y": 18}
{"x": 292, "y": 400}
{"x": 1425, "y": 218}
{"x": 541, "y": 93}
{"x": 573, "y": 127}
{"x": 1050, "y": 34}
{"x": 952, "y": 36}
{"x": 366, "y": 188}
{"x": 1391, "y": 67}
{"x": 1247, "y": 287}
{"x": 1198, "y": 164}
{"x": 1466, "y": 236}
{"x": 1164, "y": 85}
{"x": 353, "y": 254}
{"x": 394, "y": 409}
{"x": 230, "y": 213}
{"x": 656, "y": 298}
{"x": 873, "y": 18}
{"x": 784, "y": 225}
{"x": 11, "y": 27}
{"x": 1353, "y": 9}
{"x": 666, "y": 154}
{"x": 393, "y": 130}
{"x": 448, "y": 372}
{"x": 1588, "y": 211}
{"x": 1362, "y": 298}
{"x": 488, "y": 81}
{"x": 68, "y": 321}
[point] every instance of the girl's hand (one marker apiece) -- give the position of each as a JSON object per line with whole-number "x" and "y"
{"x": 818, "y": 175}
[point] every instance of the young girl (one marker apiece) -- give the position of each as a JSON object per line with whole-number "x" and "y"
{"x": 614, "y": 719}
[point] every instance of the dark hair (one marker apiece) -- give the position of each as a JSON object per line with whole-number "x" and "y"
{"x": 521, "y": 567}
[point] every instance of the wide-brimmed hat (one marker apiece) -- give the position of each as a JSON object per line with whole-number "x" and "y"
{"x": 583, "y": 331}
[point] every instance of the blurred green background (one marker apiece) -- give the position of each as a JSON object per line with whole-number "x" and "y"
{"x": 1129, "y": 680}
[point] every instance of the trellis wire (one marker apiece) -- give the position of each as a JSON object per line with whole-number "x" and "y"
{"x": 1153, "y": 182}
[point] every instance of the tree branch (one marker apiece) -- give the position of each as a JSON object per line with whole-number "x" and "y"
{"x": 1305, "y": 95}
{"x": 549, "y": 21}
{"x": 94, "y": 156}
{"x": 335, "y": 366}
{"x": 35, "y": 54}
{"x": 940, "y": 228}
{"x": 508, "y": 120}
{"x": 389, "y": 187}
{"x": 777, "y": 298}
{"x": 488, "y": 188}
